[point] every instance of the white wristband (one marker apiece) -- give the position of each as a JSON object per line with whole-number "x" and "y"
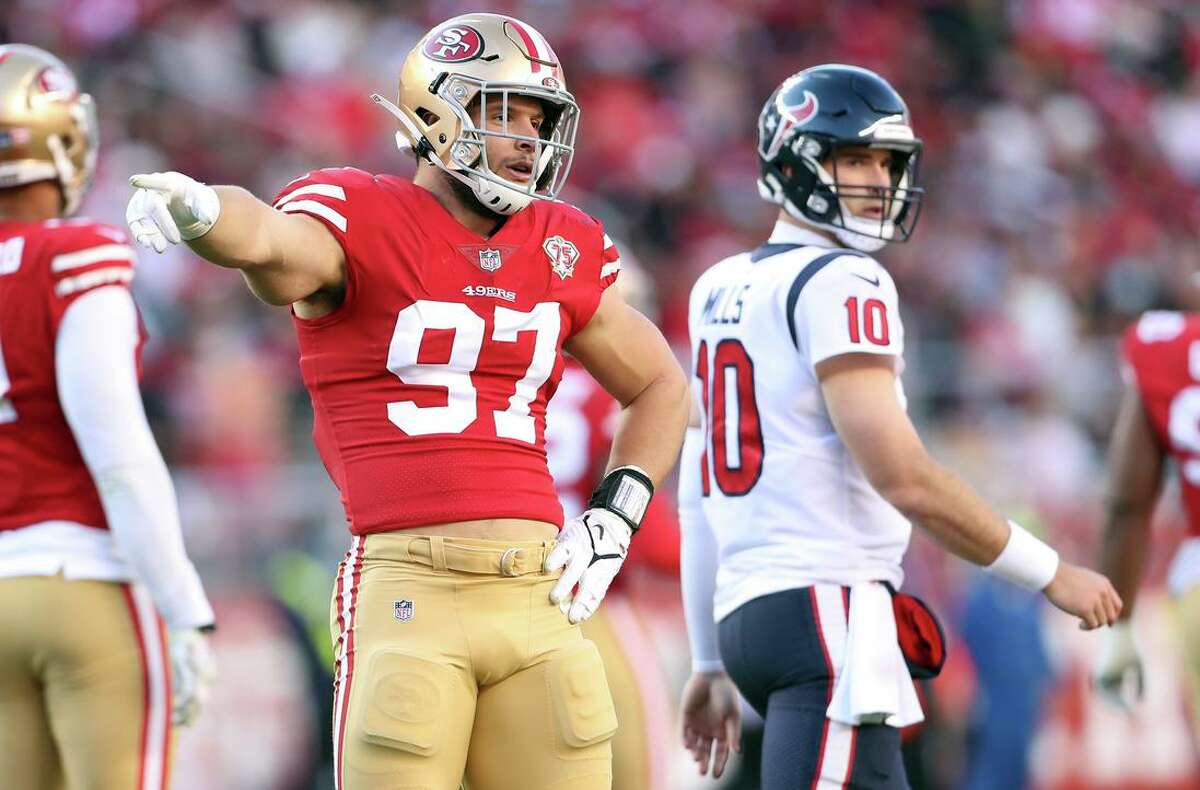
{"x": 711, "y": 665}
{"x": 1025, "y": 561}
{"x": 206, "y": 210}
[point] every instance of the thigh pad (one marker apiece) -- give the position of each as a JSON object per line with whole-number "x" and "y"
{"x": 582, "y": 703}
{"x": 405, "y": 701}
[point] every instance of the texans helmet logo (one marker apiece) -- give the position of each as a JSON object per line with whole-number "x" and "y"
{"x": 454, "y": 44}
{"x": 802, "y": 113}
{"x": 790, "y": 117}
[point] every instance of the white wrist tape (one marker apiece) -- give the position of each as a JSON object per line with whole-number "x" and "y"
{"x": 711, "y": 665}
{"x": 1025, "y": 561}
{"x": 206, "y": 208}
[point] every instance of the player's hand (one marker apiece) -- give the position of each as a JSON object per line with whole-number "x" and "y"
{"x": 1118, "y": 674}
{"x": 192, "y": 673}
{"x": 712, "y": 720}
{"x": 590, "y": 551}
{"x": 168, "y": 208}
{"x": 1086, "y": 594}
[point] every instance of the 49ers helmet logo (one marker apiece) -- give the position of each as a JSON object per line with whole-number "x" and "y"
{"x": 454, "y": 44}
{"x": 57, "y": 83}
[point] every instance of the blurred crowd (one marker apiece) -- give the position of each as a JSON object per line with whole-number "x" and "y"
{"x": 1061, "y": 163}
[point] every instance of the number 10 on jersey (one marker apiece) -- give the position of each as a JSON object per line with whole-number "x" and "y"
{"x": 733, "y": 430}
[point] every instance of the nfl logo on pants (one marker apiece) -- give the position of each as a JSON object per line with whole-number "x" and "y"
{"x": 403, "y": 611}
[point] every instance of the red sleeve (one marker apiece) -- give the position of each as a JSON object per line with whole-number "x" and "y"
{"x": 598, "y": 268}
{"x": 610, "y": 265}
{"x": 333, "y": 195}
{"x": 340, "y": 198}
{"x": 83, "y": 257}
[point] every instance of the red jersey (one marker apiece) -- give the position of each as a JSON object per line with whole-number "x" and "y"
{"x": 581, "y": 421}
{"x": 44, "y": 267}
{"x": 1162, "y": 353}
{"x": 429, "y": 382}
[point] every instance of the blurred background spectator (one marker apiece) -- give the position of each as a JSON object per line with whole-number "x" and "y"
{"x": 1062, "y": 164}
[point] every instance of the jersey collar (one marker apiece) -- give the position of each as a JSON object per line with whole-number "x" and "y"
{"x": 787, "y": 233}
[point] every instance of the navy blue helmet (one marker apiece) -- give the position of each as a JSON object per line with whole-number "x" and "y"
{"x": 807, "y": 120}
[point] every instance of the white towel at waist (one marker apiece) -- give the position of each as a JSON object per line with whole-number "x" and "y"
{"x": 873, "y": 685}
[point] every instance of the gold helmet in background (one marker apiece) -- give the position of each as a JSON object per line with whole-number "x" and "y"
{"x": 48, "y": 129}
{"x": 488, "y": 57}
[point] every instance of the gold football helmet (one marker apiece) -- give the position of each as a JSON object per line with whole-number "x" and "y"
{"x": 488, "y": 57}
{"x": 48, "y": 129}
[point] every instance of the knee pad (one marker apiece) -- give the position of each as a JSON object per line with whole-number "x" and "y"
{"x": 583, "y": 707}
{"x": 403, "y": 700}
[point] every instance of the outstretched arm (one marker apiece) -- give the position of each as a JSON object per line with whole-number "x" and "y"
{"x": 285, "y": 257}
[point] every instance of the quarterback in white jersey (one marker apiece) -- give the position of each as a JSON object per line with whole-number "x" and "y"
{"x": 801, "y": 472}
{"x": 776, "y": 461}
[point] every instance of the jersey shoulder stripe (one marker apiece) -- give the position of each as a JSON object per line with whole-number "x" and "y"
{"x": 90, "y": 255}
{"x": 327, "y": 213}
{"x": 326, "y": 195}
{"x": 612, "y": 258}
{"x": 93, "y": 278}
{"x": 328, "y": 190}
{"x": 81, "y": 256}
{"x": 802, "y": 279}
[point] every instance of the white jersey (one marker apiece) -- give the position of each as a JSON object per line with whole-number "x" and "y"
{"x": 788, "y": 505}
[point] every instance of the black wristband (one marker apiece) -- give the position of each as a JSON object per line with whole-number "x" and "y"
{"x": 625, "y": 491}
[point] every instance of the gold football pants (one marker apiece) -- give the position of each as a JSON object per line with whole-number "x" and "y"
{"x": 84, "y": 686}
{"x": 453, "y": 667}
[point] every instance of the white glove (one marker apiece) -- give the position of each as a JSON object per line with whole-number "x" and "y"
{"x": 192, "y": 673}
{"x": 590, "y": 550}
{"x": 168, "y": 208}
{"x": 1118, "y": 674}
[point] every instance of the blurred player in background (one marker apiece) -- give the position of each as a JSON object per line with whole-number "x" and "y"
{"x": 87, "y": 509}
{"x": 799, "y": 483}
{"x": 1159, "y": 417}
{"x": 432, "y": 316}
{"x": 579, "y": 431}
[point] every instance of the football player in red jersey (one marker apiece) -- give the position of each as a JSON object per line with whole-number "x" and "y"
{"x": 87, "y": 510}
{"x": 432, "y": 315}
{"x": 1159, "y": 417}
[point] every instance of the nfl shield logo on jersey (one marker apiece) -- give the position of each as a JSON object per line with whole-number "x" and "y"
{"x": 489, "y": 260}
{"x": 403, "y": 610}
{"x": 562, "y": 254}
